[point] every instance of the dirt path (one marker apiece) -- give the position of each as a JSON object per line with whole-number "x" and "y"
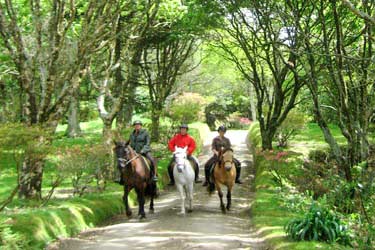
{"x": 205, "y": 228}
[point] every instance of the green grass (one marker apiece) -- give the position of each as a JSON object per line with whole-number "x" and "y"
{"x": 27, "y": 225}
{"x": 312, "y": 138}
{"x": 268, "y": 213}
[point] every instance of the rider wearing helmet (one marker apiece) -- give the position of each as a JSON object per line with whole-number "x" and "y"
{"x": 183, "y": 139}
{"x": 140, "y": 141}
{"x": 218, "y": 143}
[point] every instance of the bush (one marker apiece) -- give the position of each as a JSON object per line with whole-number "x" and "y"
{"x": 187, "y": 108}
{"x": 83, "y": 165}
{"x": 254, "y": 136}
{"x": 237, "y": 121}
{"x": 295, "y": 122}
{"x": 318, "y": 224}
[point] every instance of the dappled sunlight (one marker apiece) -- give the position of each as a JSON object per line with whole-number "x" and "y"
{"x": 205, "y": 228}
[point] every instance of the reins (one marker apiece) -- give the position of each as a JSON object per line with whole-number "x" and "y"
{"x": 129, "y": 161}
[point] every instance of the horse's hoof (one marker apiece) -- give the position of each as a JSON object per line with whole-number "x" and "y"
{"x": 142, "y": 216}
{"x": 223, "y": 209}
{"x": 151, "y": 211}
{"x": 181, "y": 213}
{"x": 128, "y": 213}
{"x": 190, "y": 210}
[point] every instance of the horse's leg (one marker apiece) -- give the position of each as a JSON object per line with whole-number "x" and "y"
{"x": 152, "y": 199}
{"x": 220, "y": 192}
{"x": 180, "y": 189}
{"x": 125, "y": 199}
{"x": 229, "y": 198}
{"x": 190, "y": 194}
{"x": 141, "y": 203}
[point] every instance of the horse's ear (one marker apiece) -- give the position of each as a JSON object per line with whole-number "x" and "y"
{"x": 185, "y": 148}
{"x": 175, "y": 147}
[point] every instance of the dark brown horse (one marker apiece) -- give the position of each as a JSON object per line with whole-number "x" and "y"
{"x": 136, "y": 173}
{"x": 224, "y": 173}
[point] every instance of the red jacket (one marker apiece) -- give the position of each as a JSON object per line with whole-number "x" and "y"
{"x": 182, "y": 141}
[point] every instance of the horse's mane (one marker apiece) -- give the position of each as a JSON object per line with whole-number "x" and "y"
{"x": 226, "y": 150}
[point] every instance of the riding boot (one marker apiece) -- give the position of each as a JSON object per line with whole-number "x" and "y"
{"x": 206, "y": 175}
{"x": 238, "y": 173}
{"x": 170, "y": 173}
{"x": 196, "y": 171}
{"x": 154, "y": 174}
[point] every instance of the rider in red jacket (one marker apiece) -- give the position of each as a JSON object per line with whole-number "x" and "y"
{"x": 182, "y": 140}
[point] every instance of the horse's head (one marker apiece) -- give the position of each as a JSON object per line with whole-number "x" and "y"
{"x": 227, "y": 158}
{"x": 122, "y": 150}
{"x": 180, "y": 155}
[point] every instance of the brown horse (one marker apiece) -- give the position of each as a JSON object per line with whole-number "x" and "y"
{"x": 224, "y": 173}
{"x": 136, "y": 173}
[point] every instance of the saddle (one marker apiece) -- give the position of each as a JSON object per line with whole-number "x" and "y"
{"x": 147, "y": 161}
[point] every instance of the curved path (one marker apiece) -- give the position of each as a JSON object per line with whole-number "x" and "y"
{"x": 205, "y": 228}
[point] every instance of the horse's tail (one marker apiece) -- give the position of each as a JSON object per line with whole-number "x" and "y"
{"x": 211, "y": 187}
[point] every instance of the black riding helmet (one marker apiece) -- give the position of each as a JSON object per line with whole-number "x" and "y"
{"x": 222, "y": 128}
{"x": 184, "y": 126}
{"x": 137, "y": 122}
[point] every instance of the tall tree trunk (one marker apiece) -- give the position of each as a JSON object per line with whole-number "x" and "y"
{"x": 124, "y": 117}
{"x": 155, "y": 118}
{"x": 253, "y": 108}
{"x": 107, "y": 131}
{"x": 267, "y": 138}
{"x": 74, "y": 129}
{"x": 31, "y": 177}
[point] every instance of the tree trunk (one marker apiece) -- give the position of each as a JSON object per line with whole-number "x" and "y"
{"x": 267, "y": 137}
{"x": 125, "y": 115}
{"x": 31, "y": 177}
{"x": 253, "y": 108}
{"x": 107, "y": 132}
{"x": 74, "y": 129}
{"x": 155, "y": 118}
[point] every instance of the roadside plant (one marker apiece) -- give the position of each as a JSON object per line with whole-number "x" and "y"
{"x": 318, "y": 224}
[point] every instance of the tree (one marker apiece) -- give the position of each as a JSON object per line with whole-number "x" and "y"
{"x": 115, "y": 70}
{"x": 169, "y": 45}
{"x": 48, "y": 50}
{"x": 344, "y": 74}
{"x": 262, "y": 38}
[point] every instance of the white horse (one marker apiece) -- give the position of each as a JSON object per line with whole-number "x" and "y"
{"x": 183, "y": 173}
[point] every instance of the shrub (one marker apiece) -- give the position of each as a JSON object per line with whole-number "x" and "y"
{"x": 318, "y": 224}
{"x": 8, "y": 238}
{"x": 187, "y": 108}
{"x": 295, "y": 122}
{"x": 83, "y": 165}
{"x": 254, "y": 136}
{"x": 236, "y": 120}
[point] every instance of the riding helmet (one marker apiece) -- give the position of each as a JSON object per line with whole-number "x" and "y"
{"x": 222, "y": 128}
{"x": 184, "y": 126}
{"x": 137, "y": 122}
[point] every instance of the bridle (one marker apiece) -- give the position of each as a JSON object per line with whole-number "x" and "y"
{"x": 122, "y": 160}
{"x": 184, "y": 160}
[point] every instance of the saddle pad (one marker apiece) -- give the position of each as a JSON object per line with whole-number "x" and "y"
{"x": 147, "y": 162}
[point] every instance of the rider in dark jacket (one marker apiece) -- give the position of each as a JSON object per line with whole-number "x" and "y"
{"x": 220, "y": 142}
{"x": 140, "y": 141}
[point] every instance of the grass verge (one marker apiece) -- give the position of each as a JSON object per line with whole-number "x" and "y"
{"x": 268, "y": 213}
{"x": 27, "y": 225}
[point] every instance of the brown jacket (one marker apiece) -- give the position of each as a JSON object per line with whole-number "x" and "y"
{"x": 218, "y": 143}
